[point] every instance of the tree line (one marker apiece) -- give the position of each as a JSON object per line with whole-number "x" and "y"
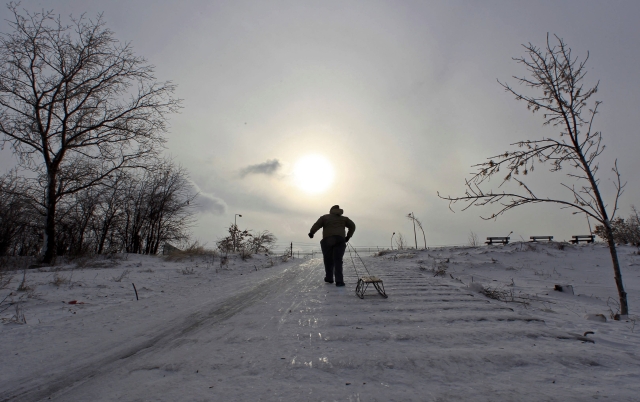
{"x": 134, "y": 211}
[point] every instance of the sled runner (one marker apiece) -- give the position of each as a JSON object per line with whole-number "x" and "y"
{"x": 365, "y": 281}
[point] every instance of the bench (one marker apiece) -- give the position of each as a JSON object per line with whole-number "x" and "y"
{"x": 502, "y": 240}
{"x": 536, "y": 238}
{"x": 578, "y": 238}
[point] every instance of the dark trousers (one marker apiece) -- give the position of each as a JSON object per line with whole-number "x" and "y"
{"x": 333, "y": 248}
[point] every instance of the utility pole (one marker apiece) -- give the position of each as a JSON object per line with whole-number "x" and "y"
{"x": 394, "y": 233}
{"x": 291, "y": 249}
{"x": 415, "y": 237}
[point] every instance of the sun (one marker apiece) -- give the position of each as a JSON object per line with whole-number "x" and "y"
{"x": 313, "y": 174}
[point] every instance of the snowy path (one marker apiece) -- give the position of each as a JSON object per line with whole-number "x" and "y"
{"x": 292, "y": 337}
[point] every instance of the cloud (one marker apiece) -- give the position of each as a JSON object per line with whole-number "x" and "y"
{"x": 268, "y": 168}
{"x": 207, "y": 203}
{"x": 211, "y": 204}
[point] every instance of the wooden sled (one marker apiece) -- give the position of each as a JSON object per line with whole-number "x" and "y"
{"x": 363, "y": 284}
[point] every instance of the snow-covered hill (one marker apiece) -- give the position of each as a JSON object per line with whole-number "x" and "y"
{"x": 264, "y": 329}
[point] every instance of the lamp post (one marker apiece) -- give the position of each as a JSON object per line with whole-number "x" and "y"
{"x": 235, "y": 231}
{"x": 394, "y": 233}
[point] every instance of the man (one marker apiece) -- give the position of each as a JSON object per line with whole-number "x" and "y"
{"x": 333, "y": 243}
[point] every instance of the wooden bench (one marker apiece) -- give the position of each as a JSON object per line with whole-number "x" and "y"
{"x": 578, "y": 238}
{"x": 502, "y": 240}
{"x": 536, "y": 238}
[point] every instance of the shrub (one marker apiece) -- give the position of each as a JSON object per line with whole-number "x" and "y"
{"x": 624, "y": 231}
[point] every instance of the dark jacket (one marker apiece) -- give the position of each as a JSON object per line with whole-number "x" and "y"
{"x": 333, "y": 224}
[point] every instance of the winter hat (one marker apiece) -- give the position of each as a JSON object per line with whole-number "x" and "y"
{"x": 336, "y": 210}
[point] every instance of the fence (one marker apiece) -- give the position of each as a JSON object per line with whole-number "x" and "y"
{"x": 305, "y": 249}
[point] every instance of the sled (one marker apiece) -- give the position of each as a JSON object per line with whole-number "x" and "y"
{"x": 365, "y": 281}
{"x": 363, "y": 284}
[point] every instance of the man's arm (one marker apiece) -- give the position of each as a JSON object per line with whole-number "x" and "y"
{"x": 352, "y": 228}
{"x": 316, "y": 226}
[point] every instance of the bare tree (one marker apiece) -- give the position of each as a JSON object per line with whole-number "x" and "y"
{"x": 109, "y": 212}
{"x": 237, "y": 240}
{"x": 412, "y": 218}
{"x": 401, "y": 243}
{"x": 564, "y": 103}
{"x": 416, "y": 221}
{"x": 16, "y": 212}
{"x": 262, "y": 241}
{"x": 76, "y": 105}
{"x": 157, "y": 207}
{"x": 473, "y": 239}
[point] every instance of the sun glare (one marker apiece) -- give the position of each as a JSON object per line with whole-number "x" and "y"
{"x": 313, "y": 174}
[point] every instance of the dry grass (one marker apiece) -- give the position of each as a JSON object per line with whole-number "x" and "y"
{"x": 195, "y": 249}
{"x": 18, "y": 317}
{"x": 245, "y": 254}
{"x": 97, "y": 261}
{"x": 59, "y": 280}
{"x": 122, "y": 276}
{"x": 188, "y": 271}
{"x": 505, "y": 295}
{"x": 440, "y": 269}
{"x": 5, "y": 280}
{"x": 474, "y": 241}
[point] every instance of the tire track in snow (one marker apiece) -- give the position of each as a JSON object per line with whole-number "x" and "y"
{"x": 36, "y": 389}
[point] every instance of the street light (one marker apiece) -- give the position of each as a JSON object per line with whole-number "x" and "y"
{"x": 394, "y": 233}
{"x": 235, "y": 231}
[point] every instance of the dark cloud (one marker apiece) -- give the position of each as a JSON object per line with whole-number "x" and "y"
{"x": 208, "y": 203}
{"x": 268, "y": 168}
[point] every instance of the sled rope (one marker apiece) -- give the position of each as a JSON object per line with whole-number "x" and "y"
{"x": 349, "y": 247}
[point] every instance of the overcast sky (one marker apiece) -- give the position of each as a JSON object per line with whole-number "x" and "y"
{"x": 400, "y": 97}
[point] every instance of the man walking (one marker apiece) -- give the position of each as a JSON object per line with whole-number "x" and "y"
{"x": 333, "y": 243}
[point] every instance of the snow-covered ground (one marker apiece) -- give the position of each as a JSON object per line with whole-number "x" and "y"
{"x": 264, "y": 329}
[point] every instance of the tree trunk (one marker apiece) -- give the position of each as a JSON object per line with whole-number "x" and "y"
{"x": 103, "y": 233}
{"x": 624, "y": 307}
{"x": 49, "y": 251}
